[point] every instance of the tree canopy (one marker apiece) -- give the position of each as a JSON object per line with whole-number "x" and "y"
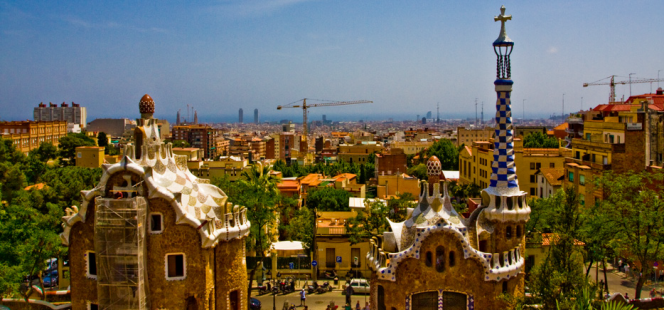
{"x": 69, "y": 143}
{"x": 447, "y": 153}
{"x": 328, "y": 199}
{"x": 540, "y": 140}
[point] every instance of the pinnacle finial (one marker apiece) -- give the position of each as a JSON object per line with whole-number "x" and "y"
{"x": 502, "y": 38}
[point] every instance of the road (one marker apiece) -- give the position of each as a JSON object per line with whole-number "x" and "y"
{"x": 314, "y": 301}
{"x": 620, "y": 283}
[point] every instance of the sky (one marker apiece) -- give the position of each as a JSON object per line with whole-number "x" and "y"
{"x": 405, "y": 56}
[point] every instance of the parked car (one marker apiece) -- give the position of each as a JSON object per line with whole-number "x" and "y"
{"x": 50, "y": 279}
{"x": 254, "y": 304}
{"x": 360, "y": 286}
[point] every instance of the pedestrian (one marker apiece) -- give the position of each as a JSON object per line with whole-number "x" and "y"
{"x": 358, "y": 307}
{"x": 303, "y": 298}
{"x": 328, "y": 307}
{"x": 366, "y": 305}
{"x": 349, "y": 293}
{"x": 620, "y": 265}
{"x": 348, "y": 307}
{"x": 653, "y": 293}
{"x": 626, "y": 296}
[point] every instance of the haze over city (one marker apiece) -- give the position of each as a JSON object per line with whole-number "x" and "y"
{"x": 220, "y": 56}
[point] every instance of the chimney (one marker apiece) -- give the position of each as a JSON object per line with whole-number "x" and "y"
{"x": 659, "y": 91}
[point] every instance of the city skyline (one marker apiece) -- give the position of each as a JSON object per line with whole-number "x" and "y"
{"x": 259, "y": 54}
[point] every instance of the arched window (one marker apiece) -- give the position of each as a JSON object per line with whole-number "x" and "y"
{"x": 510, "y": 203}
{"x": 508, "y": 232}
{"x": 498, "y": 201}
{"x": 505, "y": 287}
{"x": 428, "y": 259}
{"x": 451, "y": 260}
{"x": 440, "y": 259}
{"x": 518, "y": 231}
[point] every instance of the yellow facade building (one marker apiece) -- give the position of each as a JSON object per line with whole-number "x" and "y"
{"x": 411, "y": 147}
{"x": 90, "y": 156}
{"x": 28, "y": 135}
{"x": 475, "y": 163}
{"x": 359, "y": 153}
{"x": 468, "y": 136}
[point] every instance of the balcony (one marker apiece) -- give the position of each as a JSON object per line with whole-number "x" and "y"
{"x": 575, "y": 120}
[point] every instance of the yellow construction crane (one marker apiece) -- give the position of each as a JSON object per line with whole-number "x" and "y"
{"x": 612, "y": 82}
{"x": 305, "y": 107}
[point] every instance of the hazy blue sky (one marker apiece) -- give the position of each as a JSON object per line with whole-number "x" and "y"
{"x": 404, "y": 55}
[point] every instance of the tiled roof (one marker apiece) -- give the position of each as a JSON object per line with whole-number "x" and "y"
{"x": 553, "y": 175}
{"x": 562, "y": 126}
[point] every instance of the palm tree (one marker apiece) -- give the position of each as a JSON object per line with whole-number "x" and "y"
{"x": 260, "y": 197}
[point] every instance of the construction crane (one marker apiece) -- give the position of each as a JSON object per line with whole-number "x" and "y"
{"x": 305, "y": 107}
{"x": 612, "y": 83}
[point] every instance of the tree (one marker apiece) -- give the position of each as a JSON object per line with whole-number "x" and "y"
{"x": 419, "y": 171}
{"x": 632, "y": 216}
{"x": 372, "y": 219}
{"x": 540, "y": 140}
{"x": 45, "y": 152}
{"x": 301, "y": 227}
{"x": 560, "y": 277}
{"x": 257, "y": 191}
{"x": 28, "y": 236}
{"x": 68, "y": 145}
{"x": 180, "y": 143}
{"x": 447, "y": 153}
{"x": 102, "y": 139}
{"x": 328, "y": 199}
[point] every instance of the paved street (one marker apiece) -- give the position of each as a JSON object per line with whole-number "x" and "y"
{"x": 314, "y": 301}
{"x": 620, "y": 283}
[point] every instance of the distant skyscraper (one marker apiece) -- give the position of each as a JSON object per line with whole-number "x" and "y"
{"x": 256, "y": 116}
{"x": 324, "y": 118}
{"x": 195, "y": 117}
{"x": 424, "y": 120}
{"x": 74, "y": 114}
{"x": 429, "y": 114}
{"x": 177, "y": 121}
{"x": 241, "y": 116}
{"x": 418, "y": 117}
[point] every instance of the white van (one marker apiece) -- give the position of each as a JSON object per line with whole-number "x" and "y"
{"x": 360, "y": 286}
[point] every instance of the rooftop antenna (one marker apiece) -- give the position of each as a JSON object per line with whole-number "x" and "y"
{"x": 475, "y": 112}
{"x": 482, "y": 115}
{"x": 563, "y": 115}
{"x": 187, "y": 113}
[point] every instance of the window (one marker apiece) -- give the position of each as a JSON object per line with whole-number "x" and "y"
{"x": 156, "y": 223}
{"x": 91, "y": 260}
{"x": 454, "y": 301}
{"x": 518, "y": 231}
{"x": 582, "y": 200}
{"x": 588, "y": 136}
{"x": 532, "y": 179}
{"x": 571, "y": 176}
{"x": 451, "y": 260}
{"x": 582, "y": 179}
{"x": 532, "y": 191}
{"x": 92, "y": 306}
{"x": 428, "y": 259}
{"x": 425, "y": 301}
{"x": 532, "y": 166}
{"x": 440, "y": 259}
{"x": 552, "y": 165}
{"x": 538, "y": 165}
{"x": 483, "y": 244}
{"x": 175, "y": 266}
{"x": 508, "y": 232}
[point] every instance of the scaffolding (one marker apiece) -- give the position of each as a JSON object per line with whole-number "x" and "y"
{"x": 120, "y": 253}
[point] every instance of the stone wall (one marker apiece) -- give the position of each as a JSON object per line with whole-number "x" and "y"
{"x": 467, "y": 276}
{"x": 81, "y": 239}
{"x": 177, "y": 238}
{"x": 231, "y": 274}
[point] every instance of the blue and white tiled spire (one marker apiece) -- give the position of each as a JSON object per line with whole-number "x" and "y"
{"x": 503, "y": 174}
{"x": 504, "y": 200}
